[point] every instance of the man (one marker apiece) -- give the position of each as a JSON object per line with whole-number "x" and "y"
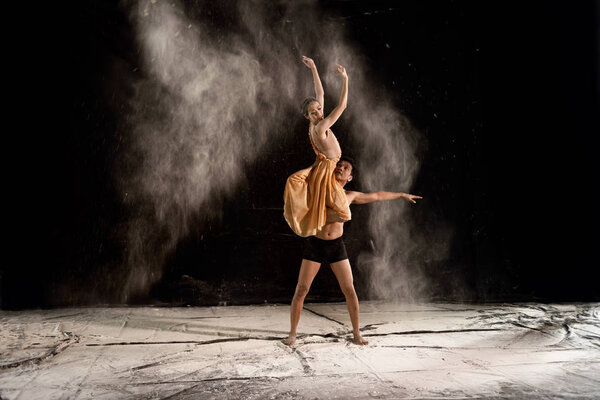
{"x": 327, "y": 246}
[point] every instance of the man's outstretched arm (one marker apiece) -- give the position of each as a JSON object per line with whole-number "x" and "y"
{"x": 364, "y": 198}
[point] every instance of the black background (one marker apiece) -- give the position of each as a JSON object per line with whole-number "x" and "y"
{"x": 510, "y": 161}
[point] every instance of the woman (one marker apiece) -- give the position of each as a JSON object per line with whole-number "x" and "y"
{"x": 310, "y": 191}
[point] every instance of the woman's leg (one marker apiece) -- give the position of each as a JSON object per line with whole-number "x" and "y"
{"x": 343, "y": 273}
{"x": 308, "y": 270}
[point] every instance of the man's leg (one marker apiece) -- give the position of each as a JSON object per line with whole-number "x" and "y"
{"x": 308, "y": 270}
{"x": 343, "y": 273}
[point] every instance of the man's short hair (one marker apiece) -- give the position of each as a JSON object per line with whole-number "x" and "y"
{"x": 351, "y": 161}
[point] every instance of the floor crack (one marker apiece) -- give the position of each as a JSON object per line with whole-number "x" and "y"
{"x": 418, "y": 332}
{"x": 198, "y": 342}
{"x": 324, "y": 316}
{"x": 60, "y": 347}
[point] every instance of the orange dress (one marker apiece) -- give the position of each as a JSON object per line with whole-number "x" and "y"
{"x": 310, "y": 191}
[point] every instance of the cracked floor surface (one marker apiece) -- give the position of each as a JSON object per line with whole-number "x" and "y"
{"x": 416, "y": 351}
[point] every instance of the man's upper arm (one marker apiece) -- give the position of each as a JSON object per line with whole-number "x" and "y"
{"x": 363, "y": 198}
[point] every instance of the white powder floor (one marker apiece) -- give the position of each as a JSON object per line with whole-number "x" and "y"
{"x": 416, "y": 351}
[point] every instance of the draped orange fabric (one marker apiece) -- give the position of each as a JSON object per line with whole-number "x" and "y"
{"x": 310, "y": 191}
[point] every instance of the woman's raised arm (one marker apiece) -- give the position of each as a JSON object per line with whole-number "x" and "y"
{"x": 319, "y": 93}
{"x": 329, "y": 120}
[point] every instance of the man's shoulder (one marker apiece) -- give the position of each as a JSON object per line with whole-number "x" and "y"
{"x": 351, "y": 195}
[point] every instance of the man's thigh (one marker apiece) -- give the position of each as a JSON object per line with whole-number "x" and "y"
{"x": 308, "y": 271}
{"x": 343, "y": 272}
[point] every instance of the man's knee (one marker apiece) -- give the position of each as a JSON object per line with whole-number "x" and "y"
{"x": 301, "y": 291}
{"x": 348, "y": 290}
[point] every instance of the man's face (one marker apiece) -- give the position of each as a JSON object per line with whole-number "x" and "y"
{"x": 343, "y": 171}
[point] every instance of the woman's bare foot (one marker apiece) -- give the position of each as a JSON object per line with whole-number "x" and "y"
{"x": 290, "y": 341}
{"x": 358, "y": 339}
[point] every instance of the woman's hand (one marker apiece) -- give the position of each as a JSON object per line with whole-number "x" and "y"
{"x": 308, "y": 62}
{"x": 341, "y": 70}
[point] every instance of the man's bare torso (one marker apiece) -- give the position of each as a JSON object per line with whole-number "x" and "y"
{"x": 334, "y": 228}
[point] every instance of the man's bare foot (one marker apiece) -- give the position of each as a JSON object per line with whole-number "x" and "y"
{"x": 359, "y": 340}
{"x": 290, "y": 341}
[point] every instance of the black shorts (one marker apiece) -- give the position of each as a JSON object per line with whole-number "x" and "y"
{"x": 319, "y": 250}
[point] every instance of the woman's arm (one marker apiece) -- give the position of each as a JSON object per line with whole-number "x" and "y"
{"x": 329, "y": 120}
{"x": 364, "y": 198}
{"x": 319, "y": 93}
